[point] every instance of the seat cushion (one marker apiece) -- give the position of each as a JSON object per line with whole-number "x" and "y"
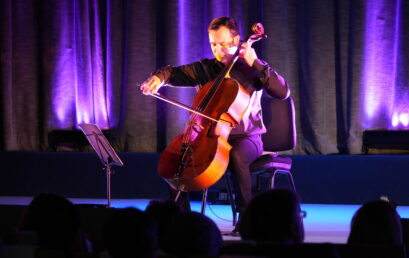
{"x": 271, "y": 161}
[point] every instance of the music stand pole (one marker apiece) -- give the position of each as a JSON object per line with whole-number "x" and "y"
{"x": 108, "y": 172}
{"x": 105, "y": 152}
{"x": 107, "y": 164}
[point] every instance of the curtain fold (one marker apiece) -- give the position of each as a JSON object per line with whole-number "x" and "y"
{"x": 67, "y": 62}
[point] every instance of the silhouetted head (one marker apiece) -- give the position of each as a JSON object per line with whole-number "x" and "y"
{"x": 376, "y": 223}
{"x": 273, "y": 216}
{"x": 193, "y": 234}
{"x": 130, "y": 233}
{"x": 55, "y": 219}
{"x": 164, "y": 212}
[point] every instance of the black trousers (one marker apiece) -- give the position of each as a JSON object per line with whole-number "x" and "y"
{"x": 245, "y": 150}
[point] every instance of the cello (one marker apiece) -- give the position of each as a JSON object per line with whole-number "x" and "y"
{"x": 198, "y": 157}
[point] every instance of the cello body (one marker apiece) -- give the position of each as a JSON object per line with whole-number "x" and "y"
{"x": 198, "y": 157}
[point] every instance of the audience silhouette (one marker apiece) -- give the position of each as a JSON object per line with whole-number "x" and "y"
{"x": 56, "y": 222}
{"x": 273, "y": 216}
{"x": 164, "y": 212}
{"x": 376, "y": 223}
{"x": 271, "y": 224}
{"x": 192, "y": 234}
{"x": 131, "y": 233}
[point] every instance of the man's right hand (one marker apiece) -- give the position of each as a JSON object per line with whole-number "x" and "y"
{"x": 151, "y": 85}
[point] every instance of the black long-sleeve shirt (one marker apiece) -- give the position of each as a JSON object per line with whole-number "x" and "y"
{"x": 253, "y": 79}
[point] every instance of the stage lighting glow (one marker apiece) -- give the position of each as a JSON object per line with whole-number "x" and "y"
{"x": 384, "y": 94}
{"x": 80, "y": 93}
{"x": 400, "y": 120}
{"x": 395, "y": 119}
{"x": 404, "y": 119}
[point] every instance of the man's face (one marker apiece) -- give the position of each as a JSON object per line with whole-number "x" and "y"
{"x": 222, "y": 42}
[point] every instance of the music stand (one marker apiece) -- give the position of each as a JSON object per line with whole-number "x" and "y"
{"x": 104, "y": 150}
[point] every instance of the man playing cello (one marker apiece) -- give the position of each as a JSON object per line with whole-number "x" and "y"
{"x": 252, "y": 73}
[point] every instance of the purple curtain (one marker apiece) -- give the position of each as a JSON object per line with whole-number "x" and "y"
{"x": 67, "y": 62}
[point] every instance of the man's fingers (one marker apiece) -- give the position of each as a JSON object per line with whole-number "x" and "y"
{"x": 151, "y": 85}
{"x": 154, "y": 89}
{"x": 146, "y": 85}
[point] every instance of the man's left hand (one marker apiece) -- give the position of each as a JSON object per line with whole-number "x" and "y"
{"x": 248, "y": 53}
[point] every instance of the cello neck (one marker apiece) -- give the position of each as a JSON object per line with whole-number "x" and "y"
{"x": 258, "y": 30}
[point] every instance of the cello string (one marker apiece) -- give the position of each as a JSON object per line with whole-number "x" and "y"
{"x": 218, "y": 81}
{"x": 203, "y": 104}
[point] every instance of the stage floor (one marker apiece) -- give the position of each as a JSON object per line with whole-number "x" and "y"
{"x": 324, "y": 222}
